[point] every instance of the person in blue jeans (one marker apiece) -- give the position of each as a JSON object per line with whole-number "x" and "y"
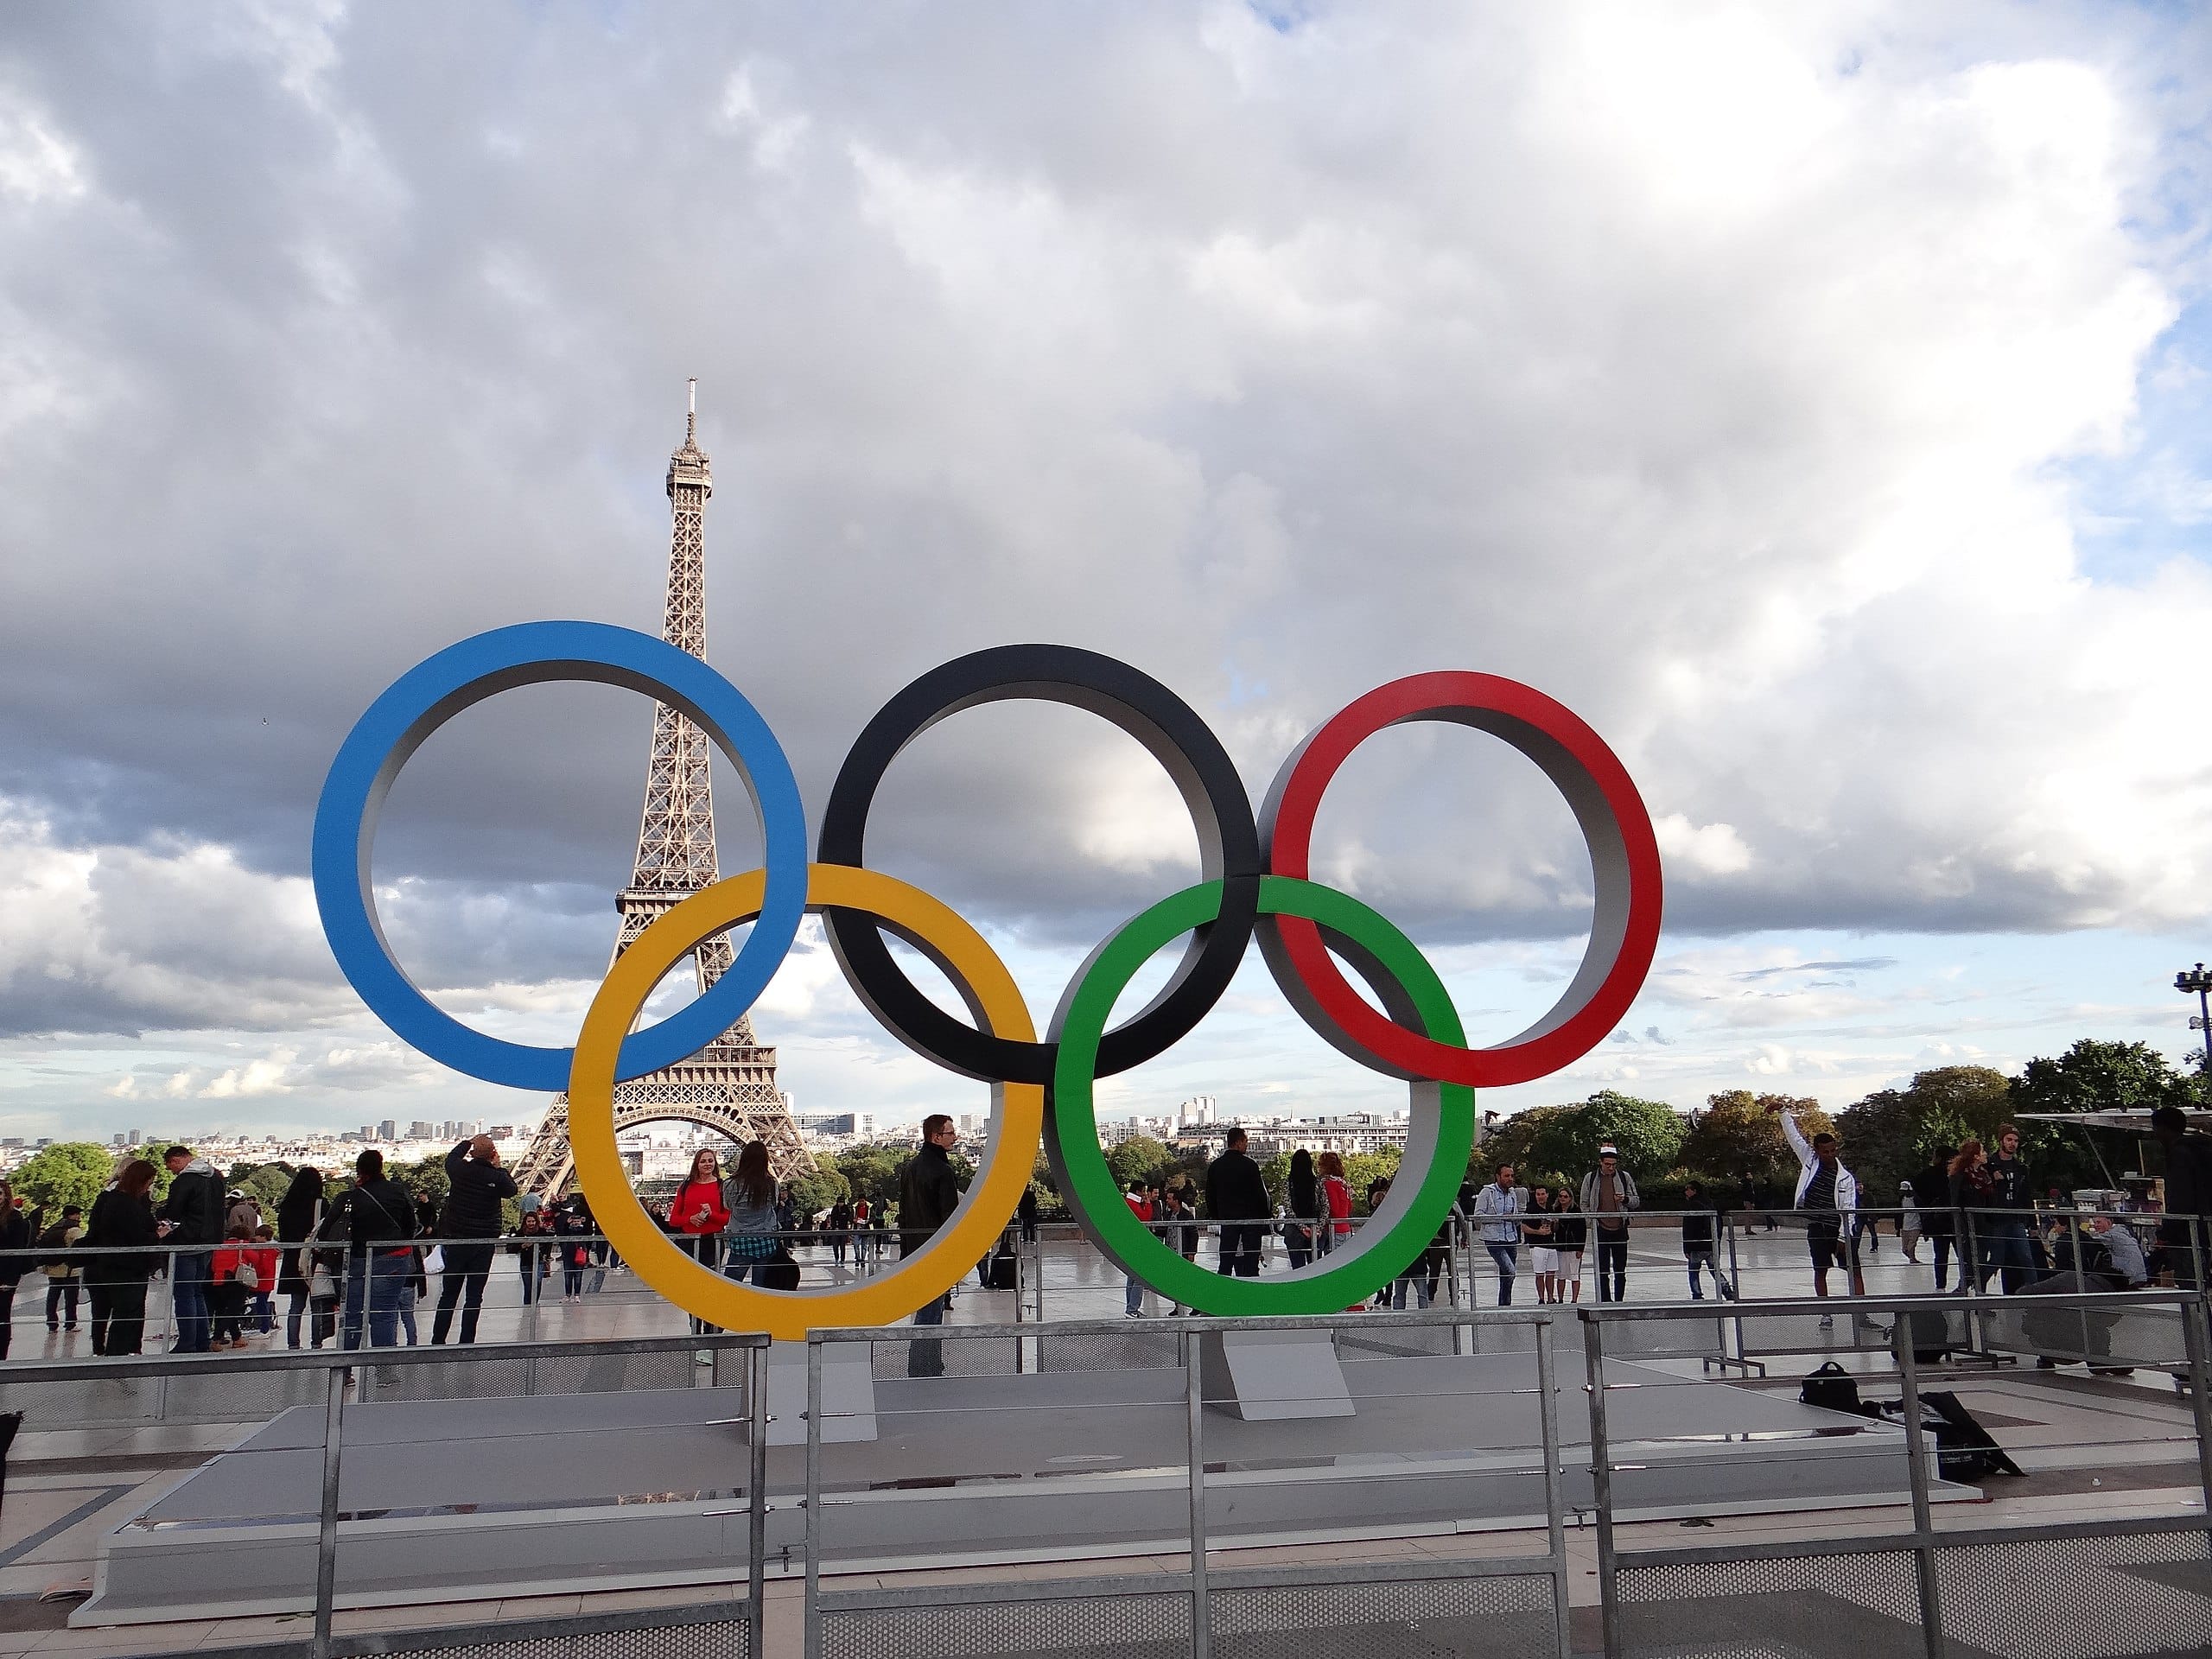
{"x": 192, "y": 1227}
{"x": 380, "y": 1222}
{"x": 2004, "y": 1235}
{"x": 1498, "y": 1210}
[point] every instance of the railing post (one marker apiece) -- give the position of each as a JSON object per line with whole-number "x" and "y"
{"x": 326, "y": 1561}
{"x": 812, "y": 1643}
{"x": 1194, "y": 1407}
{"x": 756, "y": 1404}
{"x": 2196, "y": 1327}
{"x": 1736, "y": 1280}
{"x": 1554, "y": 1498}
{"x": 1923, "y": 1520}
{"x": 1601, "y": 1484}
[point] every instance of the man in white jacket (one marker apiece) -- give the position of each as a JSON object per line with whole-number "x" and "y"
{"x": 1827, "y": 1197}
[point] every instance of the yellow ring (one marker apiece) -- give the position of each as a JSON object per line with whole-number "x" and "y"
{"x": 1017, "y": 1109}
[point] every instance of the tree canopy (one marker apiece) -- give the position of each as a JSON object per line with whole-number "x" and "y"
{"x": 1563, "y": 1141}
{"x": 72, "y": 1172}
{"x": 1738, "y": 1135}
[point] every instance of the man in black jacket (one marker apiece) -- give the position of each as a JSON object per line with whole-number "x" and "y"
{"x": 475, "y": 1188}
{"x": 2189, "y": 1195}
{"x": 380, "y": 1222}
{"x": 928, "y": 1194}
{"x": 1931, "y": 1194}
{"x": 1235, "y": 1193}
{"x": 192, "y": 1226}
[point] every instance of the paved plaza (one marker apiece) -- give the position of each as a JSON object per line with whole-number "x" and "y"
{"x": 2091, "y": 1449}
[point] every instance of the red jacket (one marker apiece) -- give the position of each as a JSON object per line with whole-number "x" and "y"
{"x": 691, "y": 1198}
{"x": 1338, "y": 1196}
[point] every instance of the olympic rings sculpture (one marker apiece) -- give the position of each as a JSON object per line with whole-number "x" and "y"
{"x": 1255, "y": 881}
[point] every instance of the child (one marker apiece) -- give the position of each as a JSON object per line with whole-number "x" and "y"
{"x": 234, "y": 1267}
{"x": 264, "y": 1266}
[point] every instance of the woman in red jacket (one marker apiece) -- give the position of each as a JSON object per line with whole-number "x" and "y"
{"x": 700, "y": 1212}
{"x": 1336, "y": 1200}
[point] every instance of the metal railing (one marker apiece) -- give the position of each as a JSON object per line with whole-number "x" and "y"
{"x": 1210, "y": 1608}
{"x": 369, "y": 1372}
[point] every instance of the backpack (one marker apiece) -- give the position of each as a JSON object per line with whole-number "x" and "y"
{"x": 778, "y": 1271}
{"x": 1831, "y": 1389}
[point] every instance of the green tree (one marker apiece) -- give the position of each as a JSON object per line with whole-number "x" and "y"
{"x": 425, "y": 1177}
{"x": 1140, "y": 1158}
{"x": 1736, "y": 1135}
{"x": 2100, "y": 1077}
{"x": 1563, "y": 1141}
{"x": 2092, "y": 1076}
{"x": 72, "y": 1172}
{"x": 814, "y": 1191}
{"x": 1892, "y": 1132}
{"x": 265, "y": 1183}
{"x": 870, "y": 1173}
{"x": 1363, "y": 1169}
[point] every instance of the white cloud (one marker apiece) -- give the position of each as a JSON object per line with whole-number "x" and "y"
{"x": 1722, "y": 373}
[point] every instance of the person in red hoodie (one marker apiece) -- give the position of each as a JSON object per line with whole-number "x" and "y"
{"x": 700, "y": 1211}
{"x": 263, "y": 1258}
{"x": 227, "y": 1291}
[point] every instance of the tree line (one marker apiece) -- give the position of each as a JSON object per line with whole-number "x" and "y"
{"x": 1733, "y": 1145}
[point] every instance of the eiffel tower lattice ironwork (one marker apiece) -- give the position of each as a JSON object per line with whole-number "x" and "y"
{"x": 729, "y": 1086}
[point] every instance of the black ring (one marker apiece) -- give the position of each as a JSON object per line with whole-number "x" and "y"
{"x": 1171, "y": 732}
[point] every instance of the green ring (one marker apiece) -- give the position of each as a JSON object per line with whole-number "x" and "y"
{"x": 1383, "y": 1251}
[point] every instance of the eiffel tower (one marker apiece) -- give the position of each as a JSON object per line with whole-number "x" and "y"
{"x": 730, "y": 1085}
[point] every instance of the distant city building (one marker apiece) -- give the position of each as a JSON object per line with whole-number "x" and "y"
{"x": 860, "y": 1125}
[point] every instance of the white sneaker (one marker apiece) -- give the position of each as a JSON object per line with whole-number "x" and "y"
{"x": 1827, "y": 1321}
{"x": 702, "y": 1357}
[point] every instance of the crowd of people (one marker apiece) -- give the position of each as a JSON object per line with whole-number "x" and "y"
{"x": 355, "y": 1265}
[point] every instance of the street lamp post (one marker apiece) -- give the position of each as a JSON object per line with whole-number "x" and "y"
{"x": 2201, "y": 982}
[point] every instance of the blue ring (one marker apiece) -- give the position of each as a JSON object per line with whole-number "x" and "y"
{"x": 435, "y": 690}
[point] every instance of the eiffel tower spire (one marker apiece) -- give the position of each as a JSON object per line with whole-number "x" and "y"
{"x": 729, "y": 1086}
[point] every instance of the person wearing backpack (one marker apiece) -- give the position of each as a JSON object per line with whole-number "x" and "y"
{"x": 380, "y": 1230}
{"x": 63, "y": 1275}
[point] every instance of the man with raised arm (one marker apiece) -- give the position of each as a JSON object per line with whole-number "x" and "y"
{"x": 476, "y": 1188}
{"x": 1827, "y": 1197}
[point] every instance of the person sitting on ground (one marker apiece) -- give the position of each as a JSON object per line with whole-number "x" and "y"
{"x": 1828, "y": 1196}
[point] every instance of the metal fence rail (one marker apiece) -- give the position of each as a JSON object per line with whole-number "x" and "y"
{"x": 1928, "y": 1582}
{"x": 40, "y": 1391}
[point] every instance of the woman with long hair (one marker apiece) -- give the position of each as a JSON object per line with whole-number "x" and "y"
{"x": 121, "y": 1219}
{"x": 1536, "y": 1234}
{"x": 14, "y": 1260}
{"x": 1302, "y": 1198}
{"x": 1971, "y": 1190}
{"x": 698, "y": 1207}
{"x": 1335, "y": 1197}
{"x": 1570, "y": 1232}
{"x": 751, "y": 1233}
{"x": 299, "y": 1212}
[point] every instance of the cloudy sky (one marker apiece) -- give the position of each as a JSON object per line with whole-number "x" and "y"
{"x": 1811, "y": 397}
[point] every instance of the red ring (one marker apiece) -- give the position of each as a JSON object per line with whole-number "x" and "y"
{"x": 1617, "y": 826}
